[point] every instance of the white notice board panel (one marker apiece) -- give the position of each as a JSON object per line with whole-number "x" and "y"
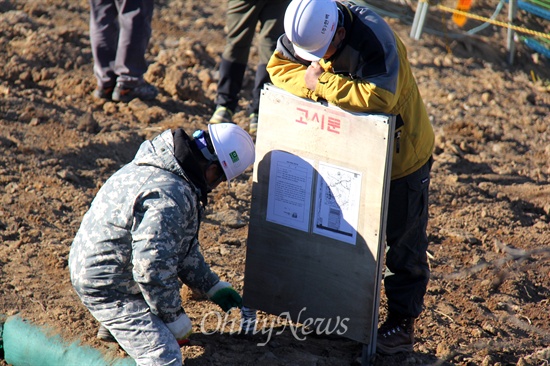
{"x": 317, "y": 222}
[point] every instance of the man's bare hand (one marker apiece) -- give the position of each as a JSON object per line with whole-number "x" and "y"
{"x": 313, "y": 72}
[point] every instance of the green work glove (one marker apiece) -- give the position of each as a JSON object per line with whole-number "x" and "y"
{"x": 225, "y": 296}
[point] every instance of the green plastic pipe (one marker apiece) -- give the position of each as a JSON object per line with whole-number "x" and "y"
{"x": 25, "y": 344}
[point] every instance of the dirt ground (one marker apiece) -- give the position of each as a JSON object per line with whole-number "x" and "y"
{"x": 488, "y": 300}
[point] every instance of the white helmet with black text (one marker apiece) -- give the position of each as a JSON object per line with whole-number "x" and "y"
{"x": 310, "y": 26}
{"x": 234, "y": 148}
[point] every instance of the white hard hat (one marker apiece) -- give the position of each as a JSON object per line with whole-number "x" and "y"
{"x": 310, "y": 26}
{"x": 234, "y": 148}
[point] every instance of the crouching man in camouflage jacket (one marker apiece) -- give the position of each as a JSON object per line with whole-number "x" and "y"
{"x": 140, "y": 236}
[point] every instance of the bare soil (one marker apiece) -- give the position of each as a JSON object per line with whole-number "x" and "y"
{"x": 488, "y": 300}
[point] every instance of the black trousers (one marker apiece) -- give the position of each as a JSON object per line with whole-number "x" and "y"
{"x": 407, "y": 243}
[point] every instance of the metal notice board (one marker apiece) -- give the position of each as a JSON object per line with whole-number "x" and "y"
{"x": 318, "y": 213}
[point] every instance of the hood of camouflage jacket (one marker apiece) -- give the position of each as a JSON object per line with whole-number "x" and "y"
{"x": 161, "y": 153}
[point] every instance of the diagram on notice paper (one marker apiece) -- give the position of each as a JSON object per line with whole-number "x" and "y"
{"x": 337, "y": 203}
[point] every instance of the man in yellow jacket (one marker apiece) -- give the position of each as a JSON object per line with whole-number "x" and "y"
{"x": 349, "y": 56}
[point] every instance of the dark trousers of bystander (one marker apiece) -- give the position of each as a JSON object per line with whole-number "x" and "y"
{"x": 119, "y": 34}
{"x": 242, "y": 18}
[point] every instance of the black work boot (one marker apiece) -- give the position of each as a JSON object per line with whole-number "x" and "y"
{"x": 395, "y": 335}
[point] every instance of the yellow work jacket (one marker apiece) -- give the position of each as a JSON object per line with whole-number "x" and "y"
{"x": 369, "y": 73}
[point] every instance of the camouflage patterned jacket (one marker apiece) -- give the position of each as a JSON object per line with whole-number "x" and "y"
{"x": 140, "y": 234}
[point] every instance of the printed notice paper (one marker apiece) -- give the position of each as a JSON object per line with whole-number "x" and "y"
{"x": 335, "y": 197}
{"x": 289, "y": 197}
{"x": 337, "y": 203}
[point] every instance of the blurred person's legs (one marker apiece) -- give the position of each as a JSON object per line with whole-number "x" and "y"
{"x": 135, "y": 32}
{"x": 241, "y": 20}
{"x": 104, "y": 31}
{"x": 271, "y": 27}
